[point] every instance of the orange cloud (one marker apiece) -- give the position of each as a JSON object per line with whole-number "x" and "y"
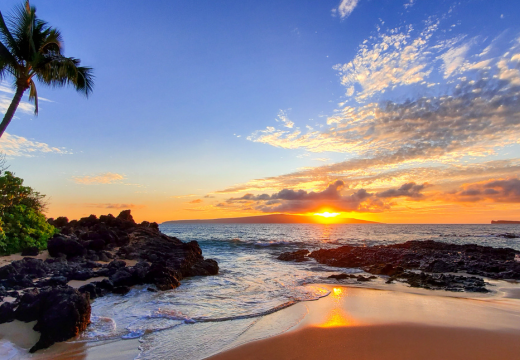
{"x": 301, "y": 201}
{"x": 106, "y": 178}
{"x": 494, "y": 190}
{"x": 196, "y": 201}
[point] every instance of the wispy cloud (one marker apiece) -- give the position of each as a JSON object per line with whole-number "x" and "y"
{"x": 5, "y": 100}
{"x": 409, "y": 4}
{"x": 400, "y": 56}
{"x": 183, "y": 196}
{"x": 282, "y": 117}
{"x": 196, "y": 201}
{"x": 24, "y": 106}
{"x": 345, "y": 8}
{"x": 13, "y": 145}
{"x": 106, "y": 178}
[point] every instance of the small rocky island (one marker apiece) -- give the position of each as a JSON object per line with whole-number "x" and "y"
{"x": 426, "y": 264}
{"x": 92, "y": 248}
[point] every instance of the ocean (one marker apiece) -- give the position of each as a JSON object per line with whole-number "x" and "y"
{"x": 206, "y": 315}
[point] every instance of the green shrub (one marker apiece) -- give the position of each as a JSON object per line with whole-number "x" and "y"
{"x": 22, "y": 224}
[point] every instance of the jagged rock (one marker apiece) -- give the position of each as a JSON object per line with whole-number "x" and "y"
{"x": 163, "y": 277}
{"x": 96, "y": 244}
{"x": 298, "y": 256}
{"x": 31, "y": 266}
{"x": 60, "y": 222}
{"x": 122, "y": 277}
{"x": 351, "y": 276}
{"x": 91, "y": 289}
{"x": 7, "y": 312}
{"x": 339, "y": 276}
{"x": 204, "y": 268}
{"x": 61, "y": 245}
{"x": 30, "y": 251}
{"x": 63, "y": 313}
{"x": 82, "y": 275}
{"x": 440, "y": 266}
{"x": 29, "y": 307}
{"x": 126, "y": 216}
{"x": 431, "y": 256}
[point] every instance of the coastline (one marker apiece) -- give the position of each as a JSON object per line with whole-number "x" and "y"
{"x": 399, "y": 323}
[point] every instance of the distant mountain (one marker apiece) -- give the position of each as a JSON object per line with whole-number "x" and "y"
{"x": 272, "y": 219}
{"x": 504, "y": 222}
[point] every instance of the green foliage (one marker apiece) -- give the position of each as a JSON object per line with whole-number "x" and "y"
{"x": 22, "y": 221}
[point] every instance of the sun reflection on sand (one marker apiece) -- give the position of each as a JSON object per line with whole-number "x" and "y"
{"x": 337, "y": 316}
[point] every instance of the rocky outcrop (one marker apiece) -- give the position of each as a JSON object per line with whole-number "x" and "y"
{"x": 297, "y": 256}
{"x": 87, "y": 248}
{"x": 351, "y": 276}
{"x": 430, "y": 258}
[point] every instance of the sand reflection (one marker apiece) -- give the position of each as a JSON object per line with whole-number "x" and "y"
{"x": 337, "y": 314}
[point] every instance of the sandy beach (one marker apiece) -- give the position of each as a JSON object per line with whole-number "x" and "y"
{"x": 359, "y": 323}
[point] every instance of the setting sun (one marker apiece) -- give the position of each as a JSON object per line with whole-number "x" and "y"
{"x": 327, "y": 214}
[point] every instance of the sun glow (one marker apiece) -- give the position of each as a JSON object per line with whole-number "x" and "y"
{"x": 327, "y": 214}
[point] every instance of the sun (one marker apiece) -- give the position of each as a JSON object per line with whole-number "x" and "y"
{"x": 327, "y": 214}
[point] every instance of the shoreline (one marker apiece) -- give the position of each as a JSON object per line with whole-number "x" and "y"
{"x": 351, "y": 318}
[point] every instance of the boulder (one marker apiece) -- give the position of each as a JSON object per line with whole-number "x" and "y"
{"x": 63, "y": 245}
{"x": 7, "y": 312}
{"x": 298, "y": 256}
{"x": 31, "y": 266}
{"x": 126, "y": 216}
{"x": 163, "y": 277}
{"x": 64, "y": 313}
{"x": 30, "y": 251}
{"x": 204, "y": 268}
{"x": 122, "y": 277}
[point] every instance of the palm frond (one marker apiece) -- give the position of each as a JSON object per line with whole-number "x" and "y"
{"x": 33, "y": 96}
{"x": 6, "y": 58}
{"x": 85, "y": 81}
{"x": 58, "y": 70}
{"x": 51, "y": 41}
{"x": 7, "y": 37}
{"x": 22, "y": 22}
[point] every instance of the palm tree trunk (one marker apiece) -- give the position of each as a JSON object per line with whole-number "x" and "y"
{"x": 11, "y": 110}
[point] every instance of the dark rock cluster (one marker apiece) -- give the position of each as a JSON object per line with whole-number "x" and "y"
{"x": 87, "y": 248}
{"x": 424, "y": 263}
{"x": 351, "y": 276}
{"x": 298, "y": 256}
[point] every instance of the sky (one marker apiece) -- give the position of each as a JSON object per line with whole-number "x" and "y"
{"x": 399, "y": 111}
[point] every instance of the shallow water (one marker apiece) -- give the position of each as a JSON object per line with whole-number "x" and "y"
{"x": 207, "y": 314}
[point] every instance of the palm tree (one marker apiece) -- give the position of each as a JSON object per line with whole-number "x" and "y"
{"x": 30, "y": 49}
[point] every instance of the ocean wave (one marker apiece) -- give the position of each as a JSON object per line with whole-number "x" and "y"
{"x": 100, "y": 328}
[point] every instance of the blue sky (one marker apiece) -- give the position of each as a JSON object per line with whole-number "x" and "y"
{"x": 212, "y": 98}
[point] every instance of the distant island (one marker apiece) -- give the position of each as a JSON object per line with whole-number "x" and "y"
{"x": 272, "y": 219}
{"x": 504, "y": 222}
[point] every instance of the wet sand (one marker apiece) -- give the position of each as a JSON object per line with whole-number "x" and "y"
{"x": 366, "y": 324}
{"x": 389, "y": 342}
